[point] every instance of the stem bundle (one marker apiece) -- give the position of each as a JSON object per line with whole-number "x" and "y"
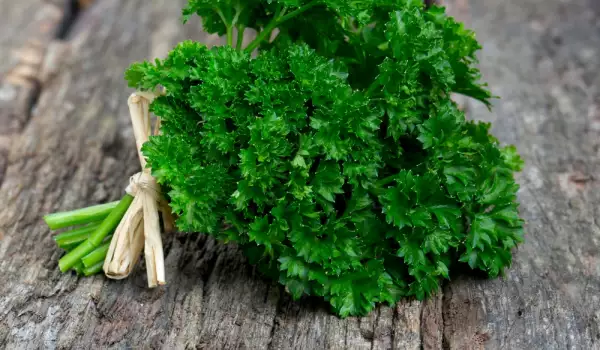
{"x": 133, "y": 222}
{"x": 87, "y": 245}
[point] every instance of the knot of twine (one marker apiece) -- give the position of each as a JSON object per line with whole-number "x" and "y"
{"x": 140, "y": 226}
{"x": 143, "y": 181}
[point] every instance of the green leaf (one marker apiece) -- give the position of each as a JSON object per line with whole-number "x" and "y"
{"x": 328, "y": 181}
{"x": 481, "y": 226}
{"x": 442, "y": 269}
{"x": 421, "y": 217}
{"x": 447, "y": 216}
{"x": 438, "y": 242}
{"x": 412, "y": 253}
{"x": 299, "y": 162}
{"x": 437, "y": 129}
{"x": 294, "y": 267}
{"x": 348, "y": 304}
{"x": 512, "y": 158}
{"x": 296, "y": 288}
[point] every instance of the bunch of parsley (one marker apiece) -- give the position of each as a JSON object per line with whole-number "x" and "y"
{"x": 335, "y": 156}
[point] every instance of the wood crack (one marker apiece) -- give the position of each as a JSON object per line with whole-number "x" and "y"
{"x": 72, "y": 10}
{"x": 276, "y": 314}
{"x": 374, "y": 327}
{"x": 445, "y": 299}
{"x": 395, "y": 316}
{"x": 421, "y": 330}
{"x": 432, "y": 322}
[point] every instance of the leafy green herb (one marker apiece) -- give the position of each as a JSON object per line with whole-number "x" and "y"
{"x": 335, "y": 157}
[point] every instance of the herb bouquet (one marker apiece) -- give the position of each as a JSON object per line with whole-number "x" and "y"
{"x": 334, "y": 156}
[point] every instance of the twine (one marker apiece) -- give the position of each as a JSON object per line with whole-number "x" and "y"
{"x": 140, "y": 227}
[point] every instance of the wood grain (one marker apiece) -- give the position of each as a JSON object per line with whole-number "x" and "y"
{"x": 73, "y": 147}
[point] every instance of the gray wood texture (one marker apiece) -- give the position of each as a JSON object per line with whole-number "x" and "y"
{"x": 65, "y": 142}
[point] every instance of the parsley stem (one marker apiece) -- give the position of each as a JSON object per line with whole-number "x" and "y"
{"x": 279, "y": 18}
{"x": 230, "y": 36}
{"x": 266, "y": 32}
{"x": 96, "y": 238}
{"x": 92, "y": 270}
{"x": 376, "y": 83}
{"x": 379, "y": 187}
{"x": 386, "y": 181}
{"x": 80, "y": 216}
{"x": 68, "y": 247}
{"x": 96, "y": 256}
{"x": 77, "y": 235}
{"x": 78, "y": 267}
{"x": 240, "y": 36}
{"x": 298, "y": 11}
{"x": 228, "y": 26}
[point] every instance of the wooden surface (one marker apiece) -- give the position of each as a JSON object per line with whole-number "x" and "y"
{"x": 65, "y": 142}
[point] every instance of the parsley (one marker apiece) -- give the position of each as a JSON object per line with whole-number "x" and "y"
{"x": 335, "y": 157}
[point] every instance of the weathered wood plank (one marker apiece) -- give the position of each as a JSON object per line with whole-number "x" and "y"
{"x": 77, "y": 150}
{"x": 541, "y": 57}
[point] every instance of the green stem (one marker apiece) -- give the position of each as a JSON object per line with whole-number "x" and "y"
{"x": 374, "y": 85}
{"x": 80, "y": 216}
{"x": 298, "y": 11}
{"x": 78, "y": 268}
{"x": 68, "y": 247}
{"x": 77, "y": 235}
{"x": 96, "y": 238}
{"x": 240, "y": 37}
{"x": 94, "y": 269}
{"x": 278, "y": 19}
{"x": 230, "y": 36}
{"x": 228, "y": 26}
{"x": 378, "y": 189}
{"x": 386, "y": 181}
{"x": 96, "y": 256}
{"x": 266, "y": 32}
